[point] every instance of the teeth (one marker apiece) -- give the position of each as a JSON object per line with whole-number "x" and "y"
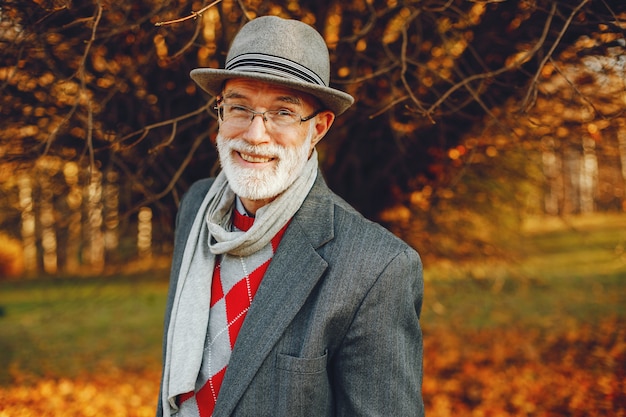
{"x": 253, "y": 158}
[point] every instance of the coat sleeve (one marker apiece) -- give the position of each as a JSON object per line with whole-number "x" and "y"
{"x": 378, "y": 369}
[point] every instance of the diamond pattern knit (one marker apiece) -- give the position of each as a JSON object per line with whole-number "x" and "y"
{"x": 234, "y": 284}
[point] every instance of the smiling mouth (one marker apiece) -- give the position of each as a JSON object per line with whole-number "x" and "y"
{"x": 256, "y": 159}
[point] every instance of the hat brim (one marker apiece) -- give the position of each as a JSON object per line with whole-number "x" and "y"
{"x": 212, "y": 80}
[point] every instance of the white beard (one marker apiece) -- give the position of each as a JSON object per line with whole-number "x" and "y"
{"x": 268, "y": 182}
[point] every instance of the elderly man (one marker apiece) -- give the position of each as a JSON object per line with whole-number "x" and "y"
{"x": 284, "y": 301}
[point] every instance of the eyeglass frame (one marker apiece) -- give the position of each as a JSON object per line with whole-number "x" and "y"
{"x": 254, "y": 113}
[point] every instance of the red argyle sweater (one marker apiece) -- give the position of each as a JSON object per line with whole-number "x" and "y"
{"x": 234, "y": 284}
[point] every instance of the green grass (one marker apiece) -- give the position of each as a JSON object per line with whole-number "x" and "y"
{"x": 558, "y": 303}
{"x": 570, "y": 274}
{"x": 66, "y": 327}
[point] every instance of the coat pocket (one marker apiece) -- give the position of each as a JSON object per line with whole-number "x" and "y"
{"x": 304, "y": 389}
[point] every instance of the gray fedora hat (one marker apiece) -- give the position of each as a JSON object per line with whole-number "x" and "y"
{"x": 279, "y": 51}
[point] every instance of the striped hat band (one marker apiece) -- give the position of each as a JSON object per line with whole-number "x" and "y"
{"x": 273, "y": 65}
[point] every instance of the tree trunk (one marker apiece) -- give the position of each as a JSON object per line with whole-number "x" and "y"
{"x": 621, "y": 136}
{"x": 144, "y": 233}
{"x": 95, "y": 247}
{"x": 571, "y": 174}
{"x": 552, "y": 171}
{"x": 47, "y": 221}
{"x": 111, "y": 213}
{"x": 588, "y": 176}
{"x": 74, "y": 201}
{"x": 29, "y": 238}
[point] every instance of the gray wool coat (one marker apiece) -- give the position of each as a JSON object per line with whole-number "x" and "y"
{"x": 334, "y": 329}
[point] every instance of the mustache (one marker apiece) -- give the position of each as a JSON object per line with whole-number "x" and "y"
{"x": 240, "y": 145}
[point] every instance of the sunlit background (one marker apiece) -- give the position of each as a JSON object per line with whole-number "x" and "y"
{"x": 490, "y": 135}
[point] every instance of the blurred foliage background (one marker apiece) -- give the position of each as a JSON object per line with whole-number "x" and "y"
{"x": 489, "y": 134}
{"x": 469, "y": 117}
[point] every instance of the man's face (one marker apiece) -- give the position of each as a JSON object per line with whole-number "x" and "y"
{"x": 261, "y": 159}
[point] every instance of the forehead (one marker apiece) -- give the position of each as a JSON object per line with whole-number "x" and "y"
{"x": 261, "y": 92}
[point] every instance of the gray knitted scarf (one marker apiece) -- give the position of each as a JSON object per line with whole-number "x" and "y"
{"x": 211, "y": 235}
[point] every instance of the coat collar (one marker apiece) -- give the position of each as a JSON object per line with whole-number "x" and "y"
{"x": 290, "y": 278}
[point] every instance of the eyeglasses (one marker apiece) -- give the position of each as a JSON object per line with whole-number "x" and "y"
{"x": 238, "y": 116}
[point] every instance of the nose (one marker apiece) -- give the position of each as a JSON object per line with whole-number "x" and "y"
{"x": 256, "y": 132}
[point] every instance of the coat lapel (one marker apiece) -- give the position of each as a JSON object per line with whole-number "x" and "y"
{"x": 290, "y": 278}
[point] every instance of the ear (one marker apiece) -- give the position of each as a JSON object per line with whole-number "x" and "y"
{"x": 323, "y": 122}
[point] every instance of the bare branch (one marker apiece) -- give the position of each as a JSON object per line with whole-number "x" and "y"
{"x": 389, "y": 105}
{"x": 81, "y": 76}
{"x": 369, "y": 25}
{"x": 169, "y": 141}
{"x": 144, "y": 131}
{"x": 582, "y": 95}
{"x": 525, "y": 102}
{"x": 407, "y": 87}
{"x": 193, "y": 15}
{"x": 369, "y": 76}
{"x": 506, "y": 68}
{"x": 187, "y": 45}
{"x": 170, "y": 186}
{"x": 92, "y": 159}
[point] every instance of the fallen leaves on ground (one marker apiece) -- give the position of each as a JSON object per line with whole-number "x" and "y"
{"x": 517, "y": 372}
{"x": 111, "y": 394}
{"x": 486, "y": 373}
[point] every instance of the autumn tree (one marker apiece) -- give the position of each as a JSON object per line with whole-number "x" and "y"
{"x": 105, "y": 85}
